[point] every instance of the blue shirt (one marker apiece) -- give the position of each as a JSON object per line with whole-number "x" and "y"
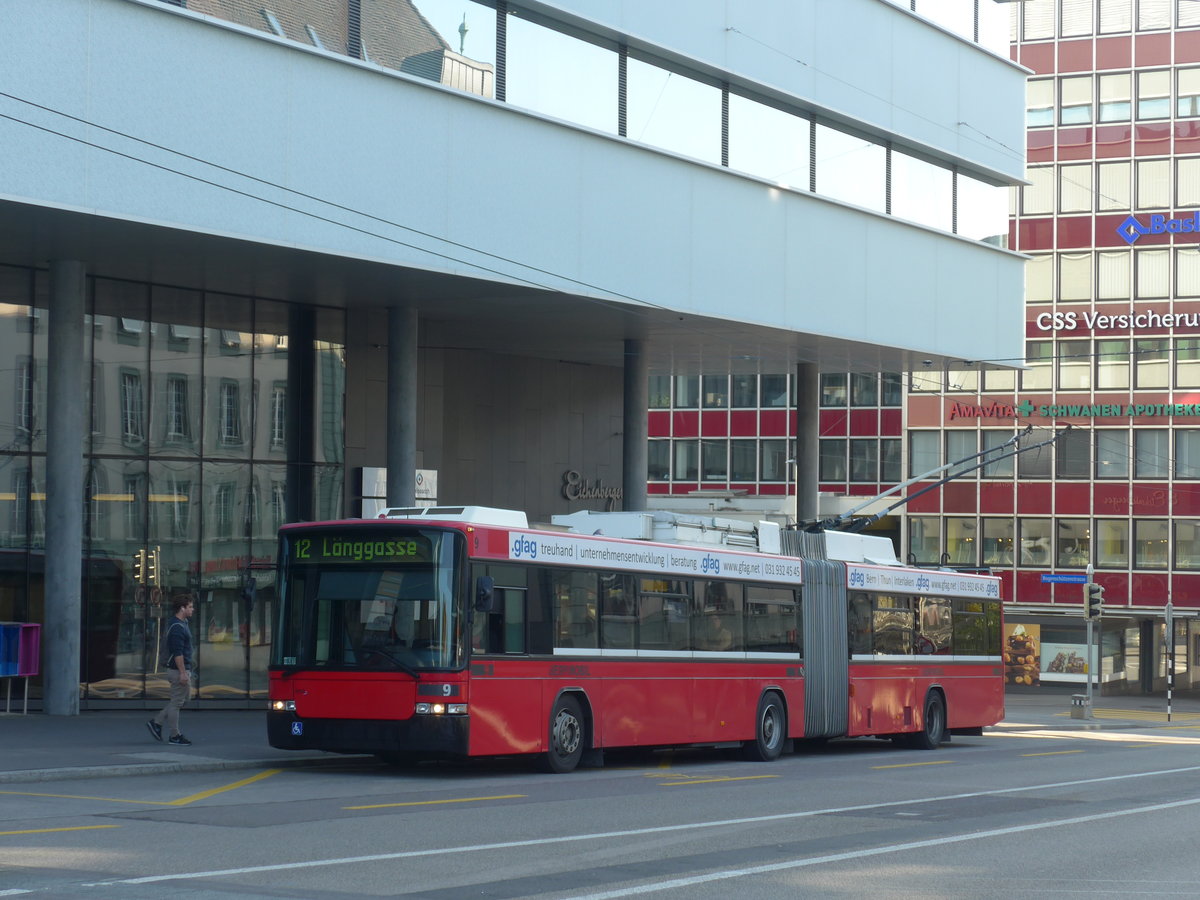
{"x": 179, "y": 643}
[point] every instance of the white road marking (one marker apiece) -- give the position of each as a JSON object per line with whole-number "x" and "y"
{"x": 874, "y": 851}
{"x": 691, "y": 826}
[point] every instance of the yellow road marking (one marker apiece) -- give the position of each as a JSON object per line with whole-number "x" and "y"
{"x": 714, "y": 780}
{"x": 1140, "y": 715}
{"x": 184, "y": 801}
{"x": 436, "y": 802}
{"x": 1052, "y": 753}
{"x": 48, "y": 830}
{"x": 936, "y": 762}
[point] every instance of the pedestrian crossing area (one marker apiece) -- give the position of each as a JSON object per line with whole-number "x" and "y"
{"x": 1158, "y": 716}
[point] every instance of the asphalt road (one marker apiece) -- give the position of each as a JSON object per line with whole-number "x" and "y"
{"x": 1003, "y": 815}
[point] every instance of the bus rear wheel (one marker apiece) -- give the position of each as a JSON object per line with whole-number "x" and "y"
{"x": 770, "y": 730}
{"x": 934, "y": 724}
{"x": 565, "y": 747}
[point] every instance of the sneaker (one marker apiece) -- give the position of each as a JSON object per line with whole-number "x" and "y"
{"x": 179, "y": 740}
{"x": 155, "y": 730}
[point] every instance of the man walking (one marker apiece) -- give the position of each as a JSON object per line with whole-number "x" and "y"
{"x": 178, "y": 663}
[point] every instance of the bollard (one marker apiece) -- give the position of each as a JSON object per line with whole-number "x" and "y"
{"x": 1080, "y": 707}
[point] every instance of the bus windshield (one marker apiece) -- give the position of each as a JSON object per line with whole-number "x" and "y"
{"x": 371, "y": 601}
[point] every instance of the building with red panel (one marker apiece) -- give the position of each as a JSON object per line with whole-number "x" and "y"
{"x": 1107, "y": 398}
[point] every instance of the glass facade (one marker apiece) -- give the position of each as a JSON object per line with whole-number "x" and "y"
{"x": 191, "y": 465}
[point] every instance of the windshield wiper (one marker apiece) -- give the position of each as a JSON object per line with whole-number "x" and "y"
{"x": 390, "y": 658}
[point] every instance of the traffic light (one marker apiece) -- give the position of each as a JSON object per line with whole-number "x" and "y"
{"x": 1093, "y": 599}
{"x": 139, "y": 567}
{"x": 152, "y": 572}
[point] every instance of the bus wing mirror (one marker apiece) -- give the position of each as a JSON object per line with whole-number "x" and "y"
{"x": 485, "y": 593}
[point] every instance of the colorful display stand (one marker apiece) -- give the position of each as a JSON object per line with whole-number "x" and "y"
{"x": 20, "y": 657}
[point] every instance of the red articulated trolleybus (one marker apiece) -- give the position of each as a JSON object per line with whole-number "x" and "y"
{"x": 461, "y": 631}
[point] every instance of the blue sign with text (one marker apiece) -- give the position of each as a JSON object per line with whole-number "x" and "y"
{"x": 1064, "y": 579}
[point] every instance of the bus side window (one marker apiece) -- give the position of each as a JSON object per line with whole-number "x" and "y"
{"x": 574, "y": 596}
{"x": 860, "y": 624}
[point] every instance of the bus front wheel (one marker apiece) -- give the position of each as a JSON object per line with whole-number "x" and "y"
{"x": 565, "y": 748}
{"x": 770, "y": 730}
{"x": 934, "y": 724}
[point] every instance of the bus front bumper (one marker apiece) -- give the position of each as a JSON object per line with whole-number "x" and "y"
{"x": 431, "y": 735}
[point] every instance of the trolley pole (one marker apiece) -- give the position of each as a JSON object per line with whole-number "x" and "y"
{"x": 1170, "y": 613}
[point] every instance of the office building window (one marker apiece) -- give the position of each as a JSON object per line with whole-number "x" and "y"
{"x": 687, "y": 391}
{"x": 1038, "y": 357}
{"x": 1113, "y": 268}
{"x": 961, "y": 447}
{"x": 743, "y": 460}
{"x": 660, "y": 391}
{"x": 926, "y": 380}
{"x": 775, "y": 392}
{"x": 961, "y": 545}
{"x": 1112, "y": 543}
{"x": 1074, "y": 548}
{"x": 1112, "y": 364}
{"x": 1151, "y": 367}
{"x": 1076, "y": 103}
{"x": 1151, "y": 453}
{"x": 1187, "y": 453}
{"x": 1114, "y": 190}
{"x": 1076, "y": 18}
{"x": 714, "y": 460}
{"x": 1187, "y": 544}
{"x": 659, "y": 460}
{"x": 1035, "y": 541}
{"x": 1037, "y": 197}
{"x": 1187, "y": 269}
{"x": 1150, "y": 547}
{"x": 715, "y": 391}
{"x": 745, "y": 391}
{"x": 1154, "y": 94}
{"x": 1112, "y": 453}
{"x": 1153, "y": 273}
{"x": 864, "y": 460}
{"x": 1039, "y": 103}
{"x": 1075, "y": 188}
{"x": 997, "y": 541}
{"x": 1187, "y": 362}
{"x": 774, "y": 460}
{"x": 924, "y": 453}
{"x": 1033, "y": 463}
{"x": 832, "y": 462}
{"x": 1073, "y": 454}
{"x": 1074, "y": 365}
{"x": 1039, "y": 279}
{"x": 924, "y": 539}
{"x": 833, "y": 389}
{"x": 891, "y": 389}
{"x": 864, "y": 390}
{"x": 890, "y": 467}
{"x": 1115, "y": 92}
{"x": 1187, "y": 102}
{"x": 1153, "y": 14}
{"x": 994, "y": 442}
{"x": 1075, "y": 277}
{"x": 687, "y": 461}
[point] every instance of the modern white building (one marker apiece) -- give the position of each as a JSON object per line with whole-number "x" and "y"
{"x": 248, "y": 249}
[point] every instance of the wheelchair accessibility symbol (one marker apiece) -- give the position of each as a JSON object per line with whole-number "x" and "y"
{"x": 297, "y": 728}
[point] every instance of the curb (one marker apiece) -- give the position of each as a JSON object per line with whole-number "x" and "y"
{"x": 71, "y": 773}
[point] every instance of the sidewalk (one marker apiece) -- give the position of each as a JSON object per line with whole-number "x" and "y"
{"x": 38, "y": 747}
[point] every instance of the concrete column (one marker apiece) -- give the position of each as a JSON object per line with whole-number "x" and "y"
{"x": 807, "y": 447}
{"x": 402, "y": 407}
{"x": 635, "y": 444}
{"x": 66, "y": 436}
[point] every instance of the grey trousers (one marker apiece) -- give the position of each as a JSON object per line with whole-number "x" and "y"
{"x": 180, "y": 694}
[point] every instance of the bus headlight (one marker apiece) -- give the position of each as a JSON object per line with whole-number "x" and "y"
{"x": 439, "y": 709}
{"x": 283, "y": 705}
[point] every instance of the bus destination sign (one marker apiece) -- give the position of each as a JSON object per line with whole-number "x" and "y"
{"x": 357, "y": 548}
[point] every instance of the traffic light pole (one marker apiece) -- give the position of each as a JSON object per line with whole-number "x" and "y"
{"x": 1091, "y": 655}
